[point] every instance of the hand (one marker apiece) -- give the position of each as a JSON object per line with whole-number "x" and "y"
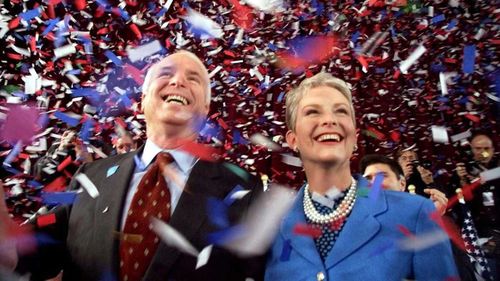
{"x": 462, "y": 173}
{"x": 8, "y": 251}
{"x": 408, "y": 170}
{"x": 439, "y": 199}
{"x": 426, "y": 175}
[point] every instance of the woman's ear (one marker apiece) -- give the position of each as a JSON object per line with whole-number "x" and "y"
{"x": 291, "y": 140}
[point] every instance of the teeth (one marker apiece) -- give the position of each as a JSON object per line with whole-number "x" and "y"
{"x": 177, "y": 98}
{"x": 325, "y": 137}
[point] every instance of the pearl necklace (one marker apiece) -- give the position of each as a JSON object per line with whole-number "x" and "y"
{"x": 340, "y": 212}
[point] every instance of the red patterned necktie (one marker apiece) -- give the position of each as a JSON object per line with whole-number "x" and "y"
{"x": 139, "y": 242}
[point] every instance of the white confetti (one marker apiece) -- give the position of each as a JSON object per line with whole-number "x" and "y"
{"x": 203, "y": 256}
{"x": 259, "y": 139}
{"x": 172, "y": 237}
{"x": 439, "y": 134}
{"x": 406, "y": 64}
{"x": 239, "y": 194}
{"x": 201, "y": 22}
{"x": 461, "y": 136}
{"x": 489, "y": 175}
{"x": 87, "y": 184}
{"x": 143, "y": 51}
{"x": 291, "y": 160}
{"x": 422, "y": 241}
{"x": 64, "y": 51}
{"x": 267, "y": 6}
{"x": 214, "y": 72}
{"x": 262, "y": 222}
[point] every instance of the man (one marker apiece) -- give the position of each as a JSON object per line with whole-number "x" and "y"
{"x": 394, "y": 179}
{"x": 485, "y": 200}
{"x": 415, "y": 174}
{"x": 96, "y": 238}
{"x": 124, "y": 144}
{"x": 61, "y": 161}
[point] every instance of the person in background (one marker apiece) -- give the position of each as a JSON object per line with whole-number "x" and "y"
{"x": 347, "y": 227}
{"x": 124, "y": 144}
{"x": 417, "y": 176}
{"x": 394, "y": 179}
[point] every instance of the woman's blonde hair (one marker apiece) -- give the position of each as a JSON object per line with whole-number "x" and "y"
{"x": 321, "y": 79}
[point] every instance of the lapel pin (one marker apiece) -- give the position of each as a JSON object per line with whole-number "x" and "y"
{"x": 111, "y": 171}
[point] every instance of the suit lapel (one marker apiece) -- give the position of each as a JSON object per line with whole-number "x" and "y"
{"x": 359, "y": 228}
{"x": 188, "y": 216}
{"x": 109, "y": 207}
{"x": 304, "y": 245}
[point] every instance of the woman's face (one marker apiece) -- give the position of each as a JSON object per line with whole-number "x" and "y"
{"x": 324, "y": 128}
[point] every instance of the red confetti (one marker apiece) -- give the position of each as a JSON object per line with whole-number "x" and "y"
{"x": 307, "y": 230}
{"x": 80, "y": 4}
{"x": 45, "y": 220}
{"x": 136, "y": 31}
{"x": 14, "y": 23}
{"x": 64, "y": 164}
{"x": 405, "y": 231}
{"x": 202, "y": 151}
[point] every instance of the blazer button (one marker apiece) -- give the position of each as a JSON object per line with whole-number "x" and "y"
{"x": 320, "y": 276}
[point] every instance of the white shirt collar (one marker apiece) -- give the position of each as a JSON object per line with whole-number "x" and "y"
{"x": 184, "y": 160}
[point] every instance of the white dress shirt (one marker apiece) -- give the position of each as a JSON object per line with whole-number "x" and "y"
{"x": 182, "y": 165}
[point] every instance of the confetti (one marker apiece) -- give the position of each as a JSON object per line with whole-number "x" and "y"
{"x": 203, "y": 25}
{"x": 87, "y": 184}
{"x": 489, "y": 175}
{"x": 56, "y": 198}
{"x": 406, "y": 64}
{"x": 439, "y": 134}
{"x": 143, "y": 51}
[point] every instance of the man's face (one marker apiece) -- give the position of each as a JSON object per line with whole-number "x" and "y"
{"x": 176, "y": 96}
{"x": 407, "y": 158}
{"x": 124, "y": 145}
{"x": 482, "y": 148}
{"x": 391, "y": 180}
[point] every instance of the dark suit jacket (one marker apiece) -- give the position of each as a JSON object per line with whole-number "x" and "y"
{"x": 86, "y": 244}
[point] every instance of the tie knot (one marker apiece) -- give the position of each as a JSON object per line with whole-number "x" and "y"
{"x": 164, "y": 158}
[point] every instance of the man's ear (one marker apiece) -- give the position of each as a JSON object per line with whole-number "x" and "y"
{"x": 402, "y": 183}
{"x": 291, "y": 139}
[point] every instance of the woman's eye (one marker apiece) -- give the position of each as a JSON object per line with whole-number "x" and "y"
{"x": 311, "y": 111}
{"x": 343, "y": 111}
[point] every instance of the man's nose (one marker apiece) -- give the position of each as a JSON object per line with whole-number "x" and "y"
{"x": 178, "y": 80}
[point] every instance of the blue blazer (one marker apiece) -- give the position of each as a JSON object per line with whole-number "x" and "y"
{"x": 367, "y": 247}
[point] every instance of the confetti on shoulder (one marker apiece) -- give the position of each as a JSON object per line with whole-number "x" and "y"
{"x": 87, "y": 184}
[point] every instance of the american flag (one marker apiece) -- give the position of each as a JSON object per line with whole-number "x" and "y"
{"x": 472, "y": 246}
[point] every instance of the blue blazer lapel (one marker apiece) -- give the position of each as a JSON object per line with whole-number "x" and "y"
{"x": 304, "y": 245}
{"x": 359, "y": 228}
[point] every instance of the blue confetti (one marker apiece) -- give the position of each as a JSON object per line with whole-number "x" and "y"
{"x": 469, "y": 58}
{"x": 31, "y": 14}
{"x": 226, "y": 235}
{"x": 50, "y": 26}
{"x": 93, "y": 96}
{"x": 376, "y": 187}
{"x": 85, "y": 132}
{"x": 112, "y": 57}
{"x": 57, "y": 198}
{"x": 280, "y": 97}
{"x": 217, "y": 212}
{"x": 355, "y": 36}
{"x": 438, "y": 18}
{"x": 229, "y": 200}
{"x": 124, "y": 14}
{"x": 286, "y": 251}
{"x": 13, "y": 153}
{"x": 452, "y": 24}
{"x": 72, "y": 121}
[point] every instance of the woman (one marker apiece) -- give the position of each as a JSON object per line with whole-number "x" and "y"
{"x": 360, "y": 236}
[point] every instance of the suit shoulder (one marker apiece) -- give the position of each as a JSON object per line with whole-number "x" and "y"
{"x": 107, "y": 162}
{"x": 398, "y": 197}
